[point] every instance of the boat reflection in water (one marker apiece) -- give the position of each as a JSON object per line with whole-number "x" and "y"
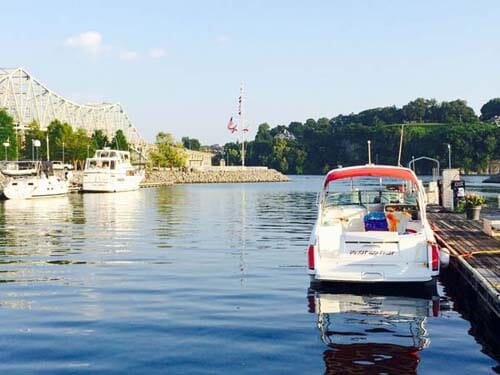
{"x": 30, "y": 223}
{"x": 34, "y": 235}
{"x": 372, "y": 334}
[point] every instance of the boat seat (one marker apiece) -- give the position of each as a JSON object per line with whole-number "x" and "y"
{"x": 350, "y": 216}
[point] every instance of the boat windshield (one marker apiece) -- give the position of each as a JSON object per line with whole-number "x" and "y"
{"x": 371, "y": 191}
{"x": 364, "y": 197}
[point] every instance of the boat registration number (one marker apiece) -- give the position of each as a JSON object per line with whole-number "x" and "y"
{"x": 371, "y": 252}
{"x": 387, "y": 249}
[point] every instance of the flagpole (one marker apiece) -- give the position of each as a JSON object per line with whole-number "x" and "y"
{"x": 242, "y": 126}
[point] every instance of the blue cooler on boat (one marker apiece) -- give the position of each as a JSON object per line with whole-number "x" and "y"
{"x": 375, "y": 221}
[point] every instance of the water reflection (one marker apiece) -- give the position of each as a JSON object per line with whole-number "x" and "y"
{"x": 31, "y": 231}
{"x": 115, "y": 227}
{"x": 29, "y": 223}
{"x": 112, "y": 212}
{"x": 372, "y": 333}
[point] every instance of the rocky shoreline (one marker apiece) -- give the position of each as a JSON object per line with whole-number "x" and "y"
{"x": 170, "y": 177}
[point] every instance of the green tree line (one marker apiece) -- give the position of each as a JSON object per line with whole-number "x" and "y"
{"x": 315, "y": 146}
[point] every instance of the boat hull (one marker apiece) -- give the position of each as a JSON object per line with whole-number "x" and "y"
{"x": 35, "y": 187}
{"x": 110, "y": 183}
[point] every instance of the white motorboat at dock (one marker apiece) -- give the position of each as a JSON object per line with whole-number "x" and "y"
{"x": 372, "y": 227}
{"x": 111, "y": 171}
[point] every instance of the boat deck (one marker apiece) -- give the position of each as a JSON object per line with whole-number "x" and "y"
{"x": 474, "y": 254}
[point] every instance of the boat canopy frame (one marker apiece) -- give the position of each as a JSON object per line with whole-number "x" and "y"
{"x": 371, "y": 170}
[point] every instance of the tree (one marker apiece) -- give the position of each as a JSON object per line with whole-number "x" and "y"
{"x": 279, "y": 160}
{"x": 191, "y": 143}
{"x": 33, "y": 136}
{"x": 79, "y": 146}
{"x": 263, "y": 134}
{"x": 59, "y": 134}
{"x": 168, "y": 153}
{"x": 8, "y": 135}
{"x": 490, "y": 109}
{"x": 415, "y": 110}
{"x": 119, "y": 141}
{"x": 232, "y": 153}
{"x": 99, "y": 139}
{"x": 456, "y": 111}
{"x": 297, "y": 129}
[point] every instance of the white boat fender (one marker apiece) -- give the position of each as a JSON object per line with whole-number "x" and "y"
{"x": 444, "y": 257}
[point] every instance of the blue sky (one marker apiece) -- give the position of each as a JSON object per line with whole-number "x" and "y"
{"x": 176, "y": 66}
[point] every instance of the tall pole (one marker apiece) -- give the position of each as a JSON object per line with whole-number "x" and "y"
{"x": 63, "y": 153}
{"x": 17, "y": 142}
{"x": 401, "y": 144}
{"x": 242, "y": 125}
{"x": 48, "y": 151}
{"x": 6, "y": 144}
{"x": 369, "y": 152}
{"x": 449, "y": 156}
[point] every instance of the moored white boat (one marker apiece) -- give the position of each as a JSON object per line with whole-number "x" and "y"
{"x": 372, "y": 227}
{"x": 111, "y": 171}
{"x": 32, "y": 179}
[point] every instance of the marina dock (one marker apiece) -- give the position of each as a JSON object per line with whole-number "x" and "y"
{"x": 474, "y": 254}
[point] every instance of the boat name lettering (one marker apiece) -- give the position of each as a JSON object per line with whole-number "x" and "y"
{"x": 371, "y": 252}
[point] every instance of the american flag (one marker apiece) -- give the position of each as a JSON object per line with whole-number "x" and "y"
{"x": 232, "y": 126}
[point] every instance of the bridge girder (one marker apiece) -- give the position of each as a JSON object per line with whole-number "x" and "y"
{"x": 28, "y": 100}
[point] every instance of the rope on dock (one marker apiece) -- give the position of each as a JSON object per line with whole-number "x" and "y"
{"x": 470, "y": 254}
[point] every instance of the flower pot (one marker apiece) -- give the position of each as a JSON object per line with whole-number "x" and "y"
{"x": 472, "y": 213}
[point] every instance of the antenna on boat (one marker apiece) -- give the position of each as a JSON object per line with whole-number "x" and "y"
{"x": 401, "y": 144}
{"x": 369, "y": 152}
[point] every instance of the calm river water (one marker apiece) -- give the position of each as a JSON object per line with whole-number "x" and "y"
{"x": 195, "y": 279}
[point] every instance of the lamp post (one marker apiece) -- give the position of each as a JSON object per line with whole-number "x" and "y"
{"x": 369, "y": 152}
{"x": 63, "y": 153}
{"x": 449, "y": 156}
{"x": 36, "y": 144}
{"x": 6, "y": 144}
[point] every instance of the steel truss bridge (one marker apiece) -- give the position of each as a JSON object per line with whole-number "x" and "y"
{"x": 28, "y": 100}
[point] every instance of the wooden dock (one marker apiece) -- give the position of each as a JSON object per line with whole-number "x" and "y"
{"x": 475, "y": 255}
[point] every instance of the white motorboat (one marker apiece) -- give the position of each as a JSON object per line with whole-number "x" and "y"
{"x": 372, "y": 227}
{"x": 111, "y": 171}
{"x": 32, "y": 179}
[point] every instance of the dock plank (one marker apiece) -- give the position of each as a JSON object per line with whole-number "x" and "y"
{"x": 476, "y": 254}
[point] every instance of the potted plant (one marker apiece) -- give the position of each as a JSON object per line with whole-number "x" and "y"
{"x": 473, "y": 204}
